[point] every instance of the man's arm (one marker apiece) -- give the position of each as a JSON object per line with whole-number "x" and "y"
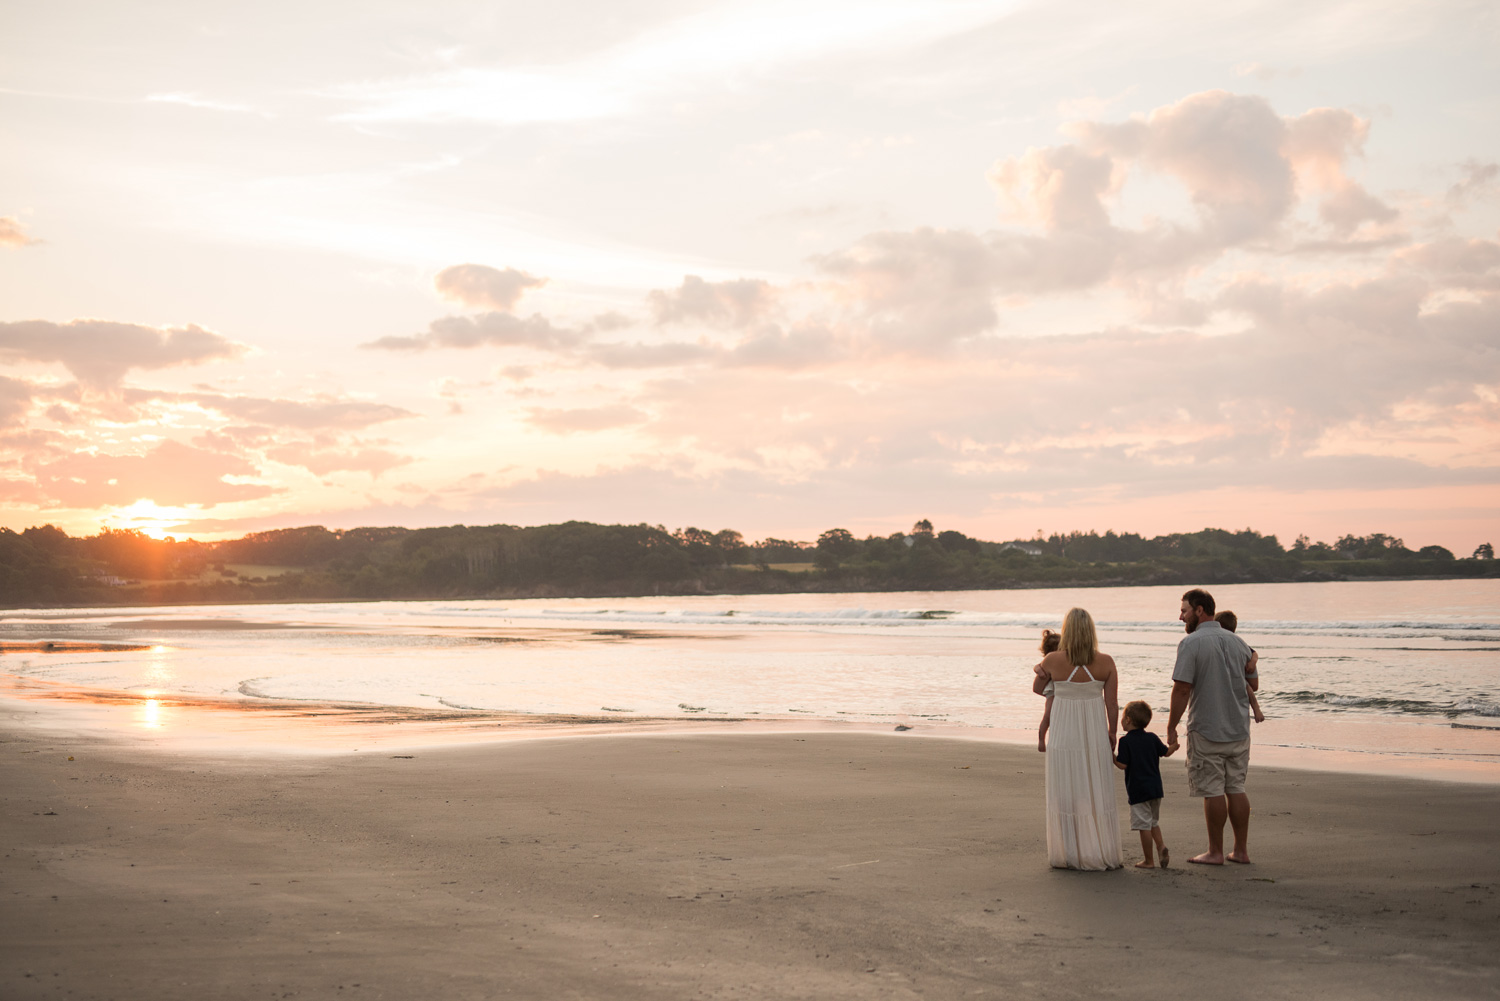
{"x": 1181, "y": 692}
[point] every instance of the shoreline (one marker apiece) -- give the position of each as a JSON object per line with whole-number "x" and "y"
{"x": 543, "y": 594}
{"x": 812, "y": 865}
{"x": 251, "y": 727}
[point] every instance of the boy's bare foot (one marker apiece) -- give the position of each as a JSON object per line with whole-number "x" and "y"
{"x": 1166, "y": 857}
{"x": 1241, "y": 858}
{"x": 1207, "y": 858}
{"x": 1145, "y": 864}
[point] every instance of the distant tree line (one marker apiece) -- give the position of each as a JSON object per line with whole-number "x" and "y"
{"x": 45, "y": 566}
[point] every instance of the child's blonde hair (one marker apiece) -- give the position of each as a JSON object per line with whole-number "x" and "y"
{"x": 1079, "y": 642}
{"x": 1138, "y": 713}
{"x": 1050, "y": 641}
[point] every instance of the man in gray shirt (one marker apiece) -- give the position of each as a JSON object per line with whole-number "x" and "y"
{"x": 1212, "y": 681}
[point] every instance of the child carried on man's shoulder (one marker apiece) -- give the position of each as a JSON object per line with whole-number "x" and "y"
{"x": 1230, "y": 621}
{"x": 1139, "y": 756}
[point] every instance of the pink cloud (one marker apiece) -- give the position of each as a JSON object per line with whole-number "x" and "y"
{"x": 322, "y": 461}
{"x": 485, "y": 330}
{"x": 735, "y": 304}
{"x": 15, "y": 401}
{"x": 559, "y": 421}
{"x": 100, "y": 352}
{"x": 481, "y": 286}
{"x": 171, "y": 474}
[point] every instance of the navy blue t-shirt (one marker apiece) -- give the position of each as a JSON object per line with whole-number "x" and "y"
{"x": 1141, "y": 752}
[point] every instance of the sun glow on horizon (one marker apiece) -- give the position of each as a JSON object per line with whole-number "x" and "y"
{"x": 149, "y": 518}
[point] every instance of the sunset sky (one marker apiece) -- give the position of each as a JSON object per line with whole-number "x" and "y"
{"x": 770, "y": 266}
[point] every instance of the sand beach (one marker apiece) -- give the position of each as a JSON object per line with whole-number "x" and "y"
{"x": 733, "y": 865}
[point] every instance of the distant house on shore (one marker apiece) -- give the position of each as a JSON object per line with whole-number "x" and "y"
{"x": 1030, "y": 549}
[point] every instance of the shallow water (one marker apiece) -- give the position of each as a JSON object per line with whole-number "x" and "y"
{"x": 1398, "y": 669}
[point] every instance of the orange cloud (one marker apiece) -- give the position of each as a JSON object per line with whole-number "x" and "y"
{"x": 13, "y": 233}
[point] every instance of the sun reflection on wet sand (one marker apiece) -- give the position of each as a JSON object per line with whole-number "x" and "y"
{"x": 150, "y": 714}
{"x": 189, "y": 722}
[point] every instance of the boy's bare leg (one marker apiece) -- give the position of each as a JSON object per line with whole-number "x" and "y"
{"x": 1161, "y": 846}
{"x": 1239, "y": 822}
{"x": 1215, "y": 813}
{"x": 1148, "y": 862}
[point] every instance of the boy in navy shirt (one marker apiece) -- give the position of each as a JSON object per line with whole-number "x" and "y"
{"x": 1140, "y": 755}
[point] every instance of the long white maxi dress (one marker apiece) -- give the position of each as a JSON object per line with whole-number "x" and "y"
{"x": 1083, "y": 831}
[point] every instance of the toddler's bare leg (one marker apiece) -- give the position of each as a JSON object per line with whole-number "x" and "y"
{"x": 1146, "y": 843}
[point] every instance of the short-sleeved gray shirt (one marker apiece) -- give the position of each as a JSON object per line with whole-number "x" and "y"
{"x": 1212, "y": 659}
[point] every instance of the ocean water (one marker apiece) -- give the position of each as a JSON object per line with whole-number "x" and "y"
{"x": 1392, "y": 669}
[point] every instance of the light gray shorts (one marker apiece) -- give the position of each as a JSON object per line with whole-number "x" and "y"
{"x": 1215, "y": 767}
{"x": 1144, "y": 816}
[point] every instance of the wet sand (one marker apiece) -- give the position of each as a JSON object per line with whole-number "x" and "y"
{"x": 814, "y": 865}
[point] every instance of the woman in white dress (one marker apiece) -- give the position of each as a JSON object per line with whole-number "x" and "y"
{"x": 1083, "y": 831}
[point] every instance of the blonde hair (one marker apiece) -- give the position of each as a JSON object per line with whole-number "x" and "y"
{"x": 1079, "y": 642}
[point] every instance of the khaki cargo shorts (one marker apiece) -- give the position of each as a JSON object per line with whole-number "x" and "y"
{"x": 1216, "y": 768}
{"x": 1144, "y": 816}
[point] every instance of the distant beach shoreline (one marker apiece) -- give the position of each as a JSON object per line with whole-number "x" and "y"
{"x": 152, "y": 598}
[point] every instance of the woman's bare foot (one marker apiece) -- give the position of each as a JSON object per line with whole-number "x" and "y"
{"x": 1243, "y": 858}
{"x": 1145, "y": 864}
{"x": 1207, "y": 858}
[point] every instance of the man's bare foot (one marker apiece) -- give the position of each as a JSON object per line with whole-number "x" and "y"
{"x": 1145, "y": 864}
{"x": 1166, "y": 857}
{"x": 1243, "y": 858}
{"x": 1208, "y": 858}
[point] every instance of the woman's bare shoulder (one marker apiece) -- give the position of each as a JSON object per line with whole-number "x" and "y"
{"x": 1105, "y": 663}
{"x": 1055, "y": 664}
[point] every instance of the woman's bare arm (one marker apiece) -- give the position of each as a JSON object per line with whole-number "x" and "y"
{"x": 1111, "y": 696}
{"x": 1044, "y": 673}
